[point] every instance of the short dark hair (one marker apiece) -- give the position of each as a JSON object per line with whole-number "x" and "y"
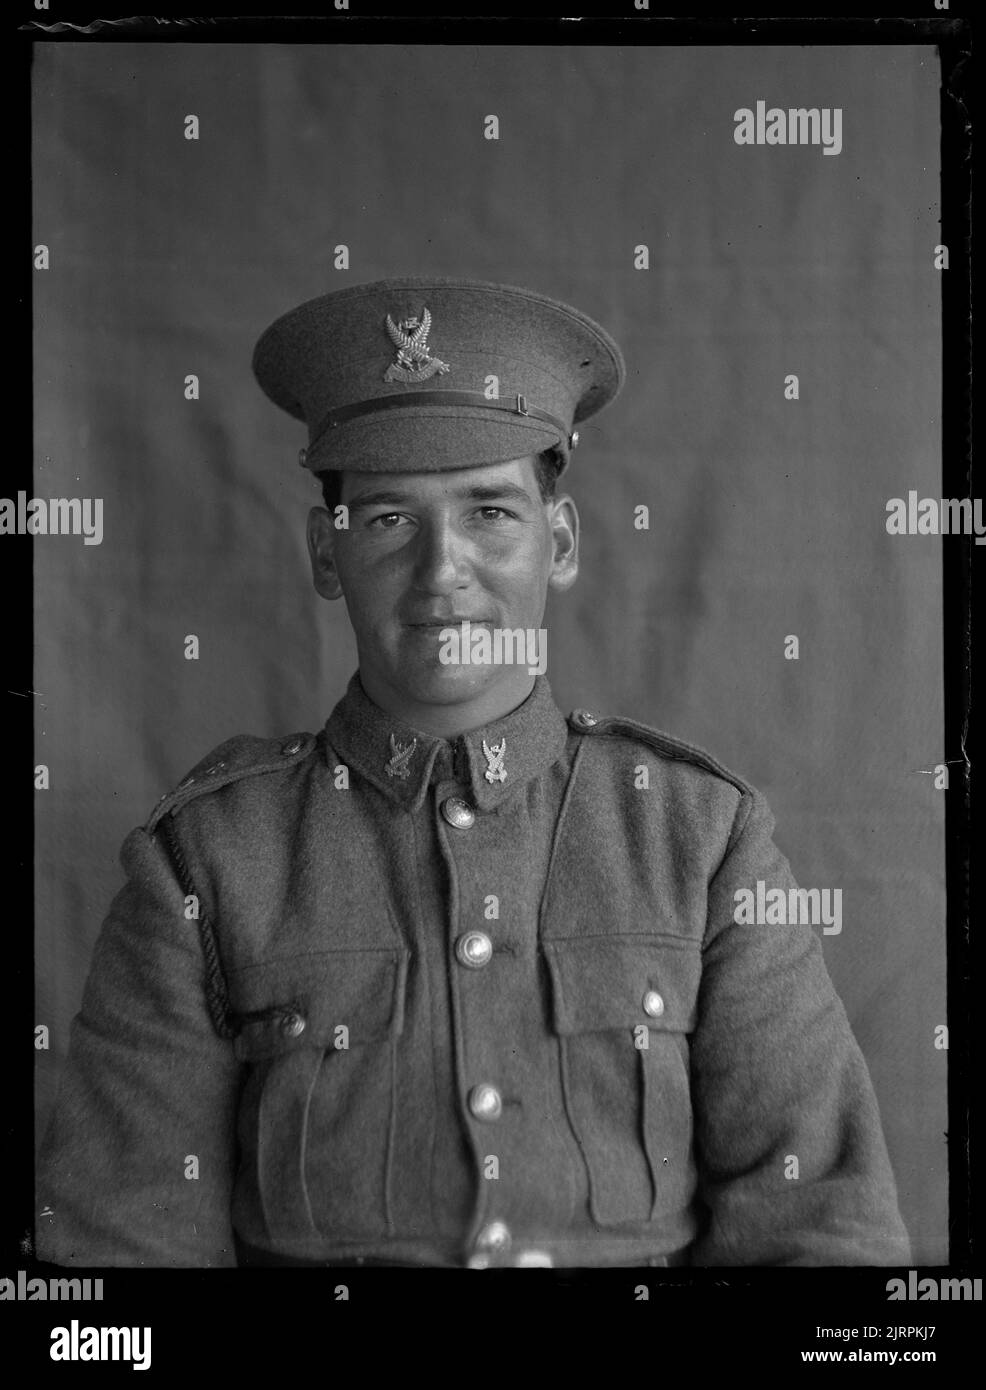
{"x": 547, "y": 466}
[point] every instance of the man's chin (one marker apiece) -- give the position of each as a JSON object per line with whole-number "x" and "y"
{"x": 433, "y": 683}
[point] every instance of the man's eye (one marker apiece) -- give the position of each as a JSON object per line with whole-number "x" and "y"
{"x": 387, "y": 521}
{"x": 498, "y": 512}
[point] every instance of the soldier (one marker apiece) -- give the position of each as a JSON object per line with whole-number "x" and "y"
{"x": 457, "y": 980}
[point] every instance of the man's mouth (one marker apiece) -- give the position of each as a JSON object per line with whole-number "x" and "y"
{"x": 439, "y": 623}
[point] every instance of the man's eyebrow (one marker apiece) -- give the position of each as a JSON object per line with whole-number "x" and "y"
{"x": 470, "y": 492}
{"x": 379, "y": 497}
{"x": 490, "y": 492}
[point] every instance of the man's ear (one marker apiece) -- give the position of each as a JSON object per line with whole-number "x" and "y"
{"x": 564, "y": 519}
{"x": 321, "y": 550}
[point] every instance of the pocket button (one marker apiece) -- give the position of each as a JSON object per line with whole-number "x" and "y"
{"x": 495, "y": 1236}
{"x": 485, "y": 1102}
{"x": 474, "y": 948}
{"x": 653, "y": 1004}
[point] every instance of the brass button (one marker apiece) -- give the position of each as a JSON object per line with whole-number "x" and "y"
{"x": 495, "y": 1236}
{"x": 292, "y": 747}
{"x": 292, "y": 1024}
{"x": 485, "y": 1102}
{"x": 475, "y": 949}
{"x": 653, "y": 1004}
{"x": 534, "y": 1259}
{"x": 582, "y": 719}
{"x": 458, "y": 812}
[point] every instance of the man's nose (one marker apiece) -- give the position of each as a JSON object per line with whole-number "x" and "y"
{"x": 442, "y": 562}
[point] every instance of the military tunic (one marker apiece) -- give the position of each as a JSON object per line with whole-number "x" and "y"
{"x": 396, "y": 1007}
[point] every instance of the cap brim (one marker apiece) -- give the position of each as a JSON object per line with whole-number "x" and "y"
{"x": 425, "y": 440}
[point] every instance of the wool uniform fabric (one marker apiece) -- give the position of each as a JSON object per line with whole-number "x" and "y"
{"x": 370, "y": 1063}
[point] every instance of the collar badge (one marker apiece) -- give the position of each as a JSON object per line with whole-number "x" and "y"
{"x": 495, "y": 772}
{"x": 397, "y": 766}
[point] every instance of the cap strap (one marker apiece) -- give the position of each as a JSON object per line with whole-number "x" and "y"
{"x": 517, "y": 406}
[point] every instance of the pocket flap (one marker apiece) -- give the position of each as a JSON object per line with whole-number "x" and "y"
{"x": 300, "y": 1001}
{"x": 601, "y": 982}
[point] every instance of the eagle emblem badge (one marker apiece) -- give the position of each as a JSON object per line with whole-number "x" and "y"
{"x": 495, "y": 771}
{"x": 414, "y": 362}
{"x": 401, "y": 753}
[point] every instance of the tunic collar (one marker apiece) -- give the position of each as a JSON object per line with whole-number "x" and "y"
{"x": 524, "y": 744}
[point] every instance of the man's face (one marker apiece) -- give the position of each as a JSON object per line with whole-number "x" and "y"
{"x": 425, "y": 551}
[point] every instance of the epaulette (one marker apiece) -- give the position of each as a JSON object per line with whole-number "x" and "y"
{"x": 239, "y": 757}
{"x": 583, "y": 722}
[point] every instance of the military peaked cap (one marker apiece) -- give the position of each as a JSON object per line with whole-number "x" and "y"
{"x": 432, "y": 374}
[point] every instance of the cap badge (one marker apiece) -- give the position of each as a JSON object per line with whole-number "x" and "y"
{"x": 495, "y": 772}
{"x": 414, "y": 362}
{"x": 398, "y": 764}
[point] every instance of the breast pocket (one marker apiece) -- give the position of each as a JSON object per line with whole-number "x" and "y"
{"x": 316, "y": 1120}
{"x": 623, "y": 1007}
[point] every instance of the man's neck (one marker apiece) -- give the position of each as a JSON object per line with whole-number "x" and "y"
{"x": 449, "y": 721}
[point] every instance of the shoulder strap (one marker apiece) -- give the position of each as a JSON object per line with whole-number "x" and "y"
{"x": 239, "y": 757}
{"x": 599, "y": 726}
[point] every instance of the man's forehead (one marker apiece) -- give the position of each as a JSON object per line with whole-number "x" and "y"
{"x": 464, "y": 482}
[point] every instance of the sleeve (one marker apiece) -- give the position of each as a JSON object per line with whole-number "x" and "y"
{"x": 777, "y": 1075}
{"x": 137, "y": 1163}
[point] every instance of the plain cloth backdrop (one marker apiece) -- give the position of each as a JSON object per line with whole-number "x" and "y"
{"x": 169, "y": 256}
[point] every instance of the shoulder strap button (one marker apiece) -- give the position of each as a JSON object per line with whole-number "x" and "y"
{"x": 293, "y": 1023}
{"x": 292, "y": 746}
{"x": 582, "y": 719}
